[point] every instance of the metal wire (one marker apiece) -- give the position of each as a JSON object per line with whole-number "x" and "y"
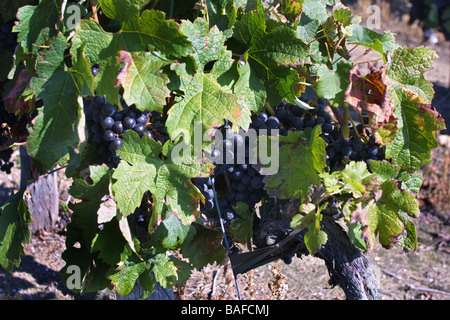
{"x": 225, "y": 238}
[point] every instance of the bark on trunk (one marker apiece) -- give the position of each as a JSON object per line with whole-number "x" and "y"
{"x": 43, "y": 200}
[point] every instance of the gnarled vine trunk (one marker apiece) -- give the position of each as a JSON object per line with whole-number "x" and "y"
{"x": 348, "y": 266}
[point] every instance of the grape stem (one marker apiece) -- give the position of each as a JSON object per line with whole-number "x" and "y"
{"x": 94, "y": 11}
{"x": 46, "y": 174}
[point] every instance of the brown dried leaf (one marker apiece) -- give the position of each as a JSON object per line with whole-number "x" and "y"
{"x": 370, "y": 93}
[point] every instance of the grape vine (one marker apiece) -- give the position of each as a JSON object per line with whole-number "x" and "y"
{"x": 161, "y": 114}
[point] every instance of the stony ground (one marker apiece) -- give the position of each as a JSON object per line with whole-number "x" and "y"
{"x": 422, "y": 274}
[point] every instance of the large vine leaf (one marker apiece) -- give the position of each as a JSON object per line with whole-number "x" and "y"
{"x": 417, "y": 119}
{"x": 171, "y": 233}
{"x": 111, "y": 50}
{"x": 208, "y": 98}
{"x": 332, "y": 84}
{"x": 269, "y": 53}
{"x": 310, "y": 219}
{"x": 205, "y": 247}
{"x": 303, "y": 157}
{"x": 406, "y": 71}
{"x": 141, "y": 75}
{"x": 85, "y": 213}
{"x": 56, "y": 126}
{"x": 388, "y": 216}
{"x": 142, "y": 169}
{"x": 33, "y": 22}
{"x": 207, "y": 103}
{"x": 83, "y": 228}
{"x": 383, "y": 43}
{"x": 14, "y": 230}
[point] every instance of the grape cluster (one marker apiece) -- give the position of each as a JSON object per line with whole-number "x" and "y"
{"x": 358, "y": 147}
{"x": 106, "y": 124}
{"x": 7, "y": 37}
{"x": 7, "y": 121}
{"x": 235, "y": 178}
{"x": 294, "y": 118}
{"x": 205, "y": 187}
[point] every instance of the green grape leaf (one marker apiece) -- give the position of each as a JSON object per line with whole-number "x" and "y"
{"x": 417, "y": 124}
{"x": 154, "y": 267}
{"x": 125, "y": 11}
{"x": 242, "y": 227}
{"x": 109, "y": 51}
{"x": 33, "y": 21}
{"x": 55, "y": 127}
{"x": 307, "y": 29}
{"x": 280, "y": 46}
{"x": 355, "y": 231}
{"x": 14, "y": 230}
{"x": 164, "y": 35}
{"x": 84, "y": 220}
{"x": 48, "y": 61}
{"x": 171, "y": 233}
{"x": 270, "y": 53}
{"x": 249, "y": 89}
{"x": 382, "y": 43}
{"x": 357, "y": 179}
{"x": 205, "y": 247}
{"x": 208, "y": 98}
{"x": 205, "y": 102}
{"x": 387, "y": 216}
{"x": 208, "y": 44}
{"x": 184, "y": 270}
{"x": 315, "y": 9}
{"x": 406, "y": 72}
{"x": 411, "y": 182}
{"x": 164, "y": 269}
{"x": 314, "y": 238}
{"x": 125, "y": 276}
{"x": 332, "y": 84}
{"x": 141, "y": 169}
{"x": 384, "y": 169}
{"x": 303, "y": 157}
{"x": 109, "y": 246}
{"x": 141, "y": 75}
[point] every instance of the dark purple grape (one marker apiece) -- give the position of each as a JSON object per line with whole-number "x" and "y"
{"x": 109, "y": 135}
{"x": 142, "y": 119}
{"x": 117, "y": 143}
{"x": 118, "y": 127}
{"x": 297, "y": 123}
{"x": 240, "y": 197}
{"x": 139, "y": 128}
{"x": 272, "y": 122}
{"x": 94, "y": 71}
{"x": 310, "y": 123}
{"x": 99, "y": 101}
{"x": 281, "y": 113}
{"x": 108, "y": 109}
{"x": 128, "y": 123}
{"x": 327, "y": 127}
{"x": 108, "y": 123}
{"x": 256, "y": 182}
